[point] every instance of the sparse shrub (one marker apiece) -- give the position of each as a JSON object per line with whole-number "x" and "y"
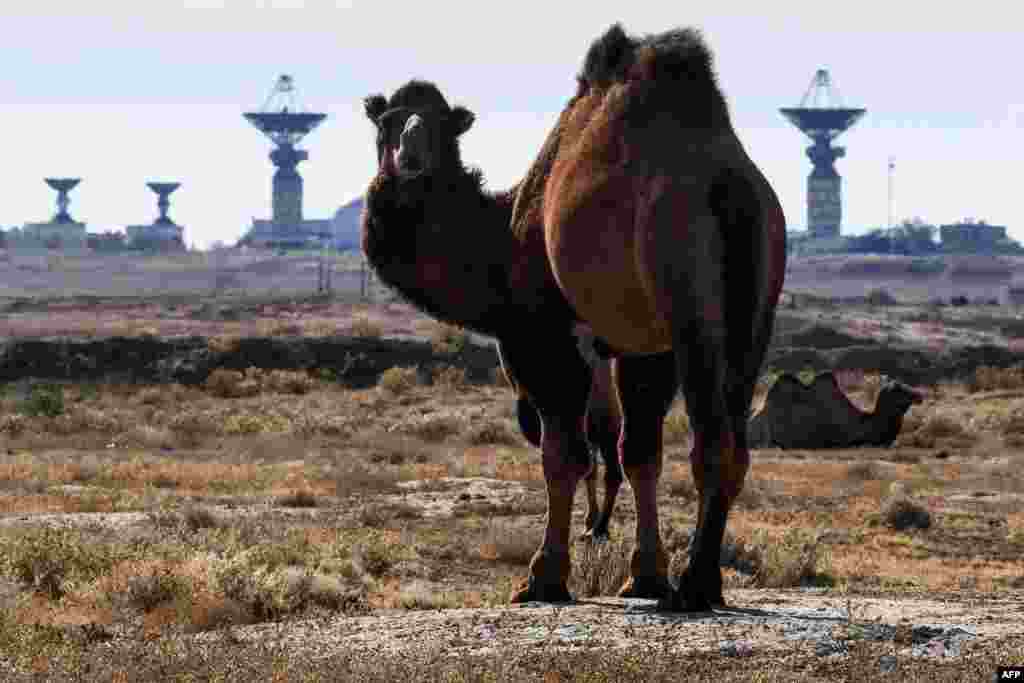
{"x": 988, "y": 378}
{"x": 151, "y": 590}
{"x": 365, "y": 480}
{"x": 149, "y": 436}
{"x": 364, "y": 327}
{"x": 255, "y": 424}
{"x": 434, "y": 428}
{"x": 268, "y": 594}
{"x": 298, "y": 499}
{"x": 934, "y": 429}
{"x": 225, "y": 383}
{"x": 85, "y": 419}
{"x": 49, "y": 559}
{"x": 863, "y": 471}
{"x": 449, "y": 338}
{"x": 797, "y": 559}
{"x": 398, "y": 380}
{"x": 287, "y": 382}
{"x": 493, "y": 432}
{"x": 418, "y": 595}
{"x": 374, "y": 558}
{"x": 45, "y": 400}
{"x": 152, "y": 396}
{"x": 449, "y": 377}
{"x": 190, "y": 429}
{"x": 316, "y": 424}
{"x": 378, "y": 515}
{"x": 191, "y": 519}
{"x": 901, "y": 512}
{"x": 505, "y": 543}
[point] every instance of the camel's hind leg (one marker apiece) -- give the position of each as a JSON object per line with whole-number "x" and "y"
{"x": 684, "y": 258}
{"x": 647, "y": 385}
{"x": 604, "y": 424}
{"x": 556, "y": 380}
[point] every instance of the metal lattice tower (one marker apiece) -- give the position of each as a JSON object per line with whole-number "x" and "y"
{"x": 283, "y": 120}
{"x": 822, "y": 117}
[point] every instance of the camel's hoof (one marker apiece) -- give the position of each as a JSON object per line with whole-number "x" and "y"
{"x": 534, "y": 591}
{"x": 650, "y": 588}
{"x": 695, "y": 594}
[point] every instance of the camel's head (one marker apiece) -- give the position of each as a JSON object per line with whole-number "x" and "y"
{"x": 417, "y": 132}
{"x": 897, "y": 397}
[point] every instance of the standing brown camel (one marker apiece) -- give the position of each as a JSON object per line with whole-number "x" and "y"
{"x": 642, "y": 220}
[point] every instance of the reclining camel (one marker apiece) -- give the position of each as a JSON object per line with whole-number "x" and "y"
{"x": 819, "y": 415}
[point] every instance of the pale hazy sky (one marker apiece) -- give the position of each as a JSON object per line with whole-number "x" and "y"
{"x": 121, "y": 92}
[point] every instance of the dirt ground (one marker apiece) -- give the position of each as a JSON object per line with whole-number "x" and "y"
{"x": 299, "y": 529}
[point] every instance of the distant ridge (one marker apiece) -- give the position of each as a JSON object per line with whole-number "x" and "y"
{"x": 347, "y": 225}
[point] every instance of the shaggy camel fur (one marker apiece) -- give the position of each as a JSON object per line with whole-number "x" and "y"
{"x": 819, "y": 415}
{"x": 643, "y": 221}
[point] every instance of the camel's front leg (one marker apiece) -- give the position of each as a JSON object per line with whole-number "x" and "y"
{"x": 566, "y": 460}
{"x": 557, "y": 382}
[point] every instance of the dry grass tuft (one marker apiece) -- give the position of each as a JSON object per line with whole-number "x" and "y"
{"x": 366, "y": 328}
{"x": 937, "y": 429}
{"x": 507, "y": 543}
{"x": 397, "y": 380}
{"x": 433, "y": 428}
{"x": 380, "y": 515}
{"x": 600, "y": 568}
{"x": 224, "y": 383}
{"x": 864, "y": 471}
{"x": 494, "y": 432}
{"x": 796, "y": 559}
{"x": 987, "y": 378}
{"x": 449, "y": 377}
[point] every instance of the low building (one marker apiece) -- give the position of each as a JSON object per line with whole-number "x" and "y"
{"x": 159, "y": 235}
{"x": 64, "y": 235}
{"x": 271, "y": 234}
{"x": 971, "y": 237}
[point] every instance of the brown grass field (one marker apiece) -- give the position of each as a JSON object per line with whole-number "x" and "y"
{"x": 281, "y": 526}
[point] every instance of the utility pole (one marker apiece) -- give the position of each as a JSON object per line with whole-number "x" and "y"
{"x": 892, "y": 213}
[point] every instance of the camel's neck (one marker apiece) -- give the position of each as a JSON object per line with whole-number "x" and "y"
{"x": 445, "y": 246}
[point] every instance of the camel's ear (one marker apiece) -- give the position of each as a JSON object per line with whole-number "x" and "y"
{"x": 461, "y": 120}
{"x": 375, "y": 105}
